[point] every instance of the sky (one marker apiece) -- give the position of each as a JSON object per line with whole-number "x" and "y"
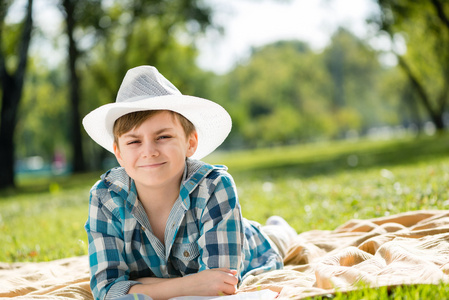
{"x": 253, "y": 23}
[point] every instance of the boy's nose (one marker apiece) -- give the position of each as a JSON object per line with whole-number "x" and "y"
{"x": 150, "y": 150}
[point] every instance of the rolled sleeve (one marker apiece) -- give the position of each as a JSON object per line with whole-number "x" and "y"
{"x": 119, "y": 289}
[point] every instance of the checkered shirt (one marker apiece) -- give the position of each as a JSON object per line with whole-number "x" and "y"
{"x": 204, "y": 230}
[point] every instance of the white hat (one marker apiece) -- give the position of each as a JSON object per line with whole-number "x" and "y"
{"x": 144, "y": 88}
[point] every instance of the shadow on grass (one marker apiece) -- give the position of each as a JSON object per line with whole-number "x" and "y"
{"x": 46, "y": 184}
{"x": 405, "y": 152}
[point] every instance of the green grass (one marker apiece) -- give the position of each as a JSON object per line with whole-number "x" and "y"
{"x": 407, "y": 292}
{"x": 316, "y": 186}
{"x": 44, "y": 220}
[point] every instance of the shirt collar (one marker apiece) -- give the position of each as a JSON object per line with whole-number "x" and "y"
{"x": 117, "y": 180}
{"x": 195, "y": 171}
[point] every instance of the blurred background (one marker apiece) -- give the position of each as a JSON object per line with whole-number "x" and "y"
{"x": 288, "y": 71}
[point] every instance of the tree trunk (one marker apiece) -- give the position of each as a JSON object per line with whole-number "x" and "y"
{"x": 12, "y": 87}
{"x": 78, "y": 163}
{"x": 441, "y": 12}
{"x": 410, "y": 104}
{"x": 10, "y": 103}
{"x": 435, "y": 115}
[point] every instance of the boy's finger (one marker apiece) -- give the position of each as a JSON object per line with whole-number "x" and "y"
{"x": 232, "y": 280}
{"x": 225, "y": 270}
{"x": 229, "y": 290}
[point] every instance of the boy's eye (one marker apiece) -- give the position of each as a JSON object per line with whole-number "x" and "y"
{"x": 132, "y": 142}
{"x": 163, "y": 137}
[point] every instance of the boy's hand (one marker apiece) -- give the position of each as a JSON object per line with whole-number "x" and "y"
{"x": 213, "y": 282}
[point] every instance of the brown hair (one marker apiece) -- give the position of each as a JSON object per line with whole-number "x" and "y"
{"x": 132, "y": 120}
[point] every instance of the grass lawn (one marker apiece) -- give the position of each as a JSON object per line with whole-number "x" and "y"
{"x": 316, "y": 186}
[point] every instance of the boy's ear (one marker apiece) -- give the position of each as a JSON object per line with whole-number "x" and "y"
{"x": 192, "y": 144}
{"x": 117, "y": 153}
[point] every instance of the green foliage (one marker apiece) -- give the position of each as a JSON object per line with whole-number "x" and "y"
{"x": 287, "y": 93}
{"x": 42, "y": 128}
{"x": 10, "y": 39}
{"x": 427, "y": 47}
{"x": 422, "y": 28}
{"x": 355, "y": 72}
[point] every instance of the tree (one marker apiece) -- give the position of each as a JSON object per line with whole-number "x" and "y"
{"x": 424, "y": 26}
{"x": 354, "y": 70}
{"x": 43, "y": 106}
{"x": 78, "y": 14}
{"x": 12, "y": 87}
{"x": 286, "y": 93}
{"x": 279, "y": 96}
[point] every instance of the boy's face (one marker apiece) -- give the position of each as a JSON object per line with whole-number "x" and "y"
{"x": 154, "y": 153}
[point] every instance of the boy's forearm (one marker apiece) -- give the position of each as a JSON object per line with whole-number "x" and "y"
{"x": 160, "y": 288}
{"x": 213, "y": 282}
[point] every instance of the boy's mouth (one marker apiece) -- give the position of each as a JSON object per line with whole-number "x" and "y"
{"x": 152, "y": 166}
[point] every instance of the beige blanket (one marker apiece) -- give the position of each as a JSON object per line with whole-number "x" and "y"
{"x": 408, "y": 248}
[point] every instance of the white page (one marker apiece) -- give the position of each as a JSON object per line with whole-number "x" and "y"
{"x": 257, "y": 295}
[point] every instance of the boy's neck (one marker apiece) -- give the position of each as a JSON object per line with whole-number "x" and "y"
{"x": 158, "y": 197}
{"x": 158, "y": 204}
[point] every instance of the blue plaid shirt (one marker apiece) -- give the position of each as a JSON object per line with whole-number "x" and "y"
{"x": 204, "y": 230}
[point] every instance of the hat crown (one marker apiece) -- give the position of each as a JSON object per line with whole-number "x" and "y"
{"x": 144, "y": 81}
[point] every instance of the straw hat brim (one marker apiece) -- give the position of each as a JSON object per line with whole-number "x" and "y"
{"x": 211, "y": 121}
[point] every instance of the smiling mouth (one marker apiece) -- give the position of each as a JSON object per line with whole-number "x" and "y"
{"x": 152, "y": 166}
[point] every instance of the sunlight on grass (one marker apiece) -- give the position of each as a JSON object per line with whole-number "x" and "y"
{"x": 422, "y": 291}
{"x": 324, "y": 202}
{"x": 44, "y": 226}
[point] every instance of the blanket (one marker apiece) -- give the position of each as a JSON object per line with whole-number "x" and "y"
{"x": 407, "y": 248}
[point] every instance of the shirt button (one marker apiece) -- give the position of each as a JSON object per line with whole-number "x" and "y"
{"x": 186, "y": 253}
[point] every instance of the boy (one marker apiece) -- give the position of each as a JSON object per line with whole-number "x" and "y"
{"x": 166, "y": 224}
